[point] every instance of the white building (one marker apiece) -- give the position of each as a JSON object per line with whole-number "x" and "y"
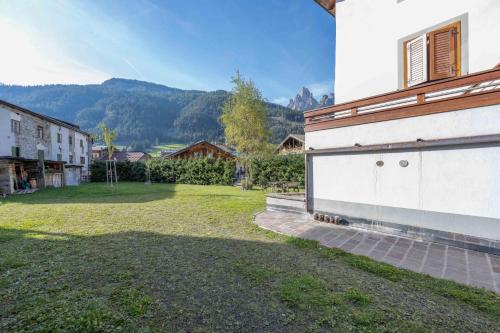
{"x": 39, "y": 151}
{"x": 413, "y": 144}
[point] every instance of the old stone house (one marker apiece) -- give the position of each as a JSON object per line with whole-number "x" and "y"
{"x": 38, "y": 151}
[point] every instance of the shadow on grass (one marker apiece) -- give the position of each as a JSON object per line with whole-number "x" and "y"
{"x": 152, "y": 281}
{"x": 96, "y": 193}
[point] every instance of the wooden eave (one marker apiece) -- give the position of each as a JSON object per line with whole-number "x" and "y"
{"x": 328, "y": 5}
{"x": 203, "y": 142}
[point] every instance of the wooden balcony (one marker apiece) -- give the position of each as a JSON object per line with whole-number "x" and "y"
{"x": 465, "y": 92}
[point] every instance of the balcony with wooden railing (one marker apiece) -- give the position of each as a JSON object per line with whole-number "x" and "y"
{"x": 465, "y": 92}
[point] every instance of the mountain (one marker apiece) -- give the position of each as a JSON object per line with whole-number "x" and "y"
{"x": 305, "y": 100}
{"x": 143, "y": 112}
{"x": 327, "y": 100}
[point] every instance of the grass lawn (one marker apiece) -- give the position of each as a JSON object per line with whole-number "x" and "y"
{"x": 188, "y": 258}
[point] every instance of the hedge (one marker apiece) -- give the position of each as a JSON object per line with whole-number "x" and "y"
{"x": 278, "y": 168}
{"x": 127, "y": 171}
{"x": 203, "y": 171}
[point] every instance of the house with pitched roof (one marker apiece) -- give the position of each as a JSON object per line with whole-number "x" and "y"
{"x": 292, "y": 144}
{"x": 202, "y": 149}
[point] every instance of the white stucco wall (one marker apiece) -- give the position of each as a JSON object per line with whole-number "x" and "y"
{"x": 7, "y": 139}
{"x": 368, "y": 31}
{"x": 458, "y": 181}
{"x": 454, "y": 181}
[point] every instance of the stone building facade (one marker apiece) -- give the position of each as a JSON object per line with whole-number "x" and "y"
{"x": 38, "y": 151}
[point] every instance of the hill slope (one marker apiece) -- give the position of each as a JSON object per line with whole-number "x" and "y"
{"x": 143, "y": 112}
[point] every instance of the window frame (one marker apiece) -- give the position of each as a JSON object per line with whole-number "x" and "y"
{"x": 39, "y": 132}
{"x": 15, "y": 126}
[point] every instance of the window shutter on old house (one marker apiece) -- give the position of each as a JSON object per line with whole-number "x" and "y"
{"x": 416, "y": 61}
{"x": 443, "y": 52}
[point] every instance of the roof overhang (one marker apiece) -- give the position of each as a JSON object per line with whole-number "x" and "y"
{"x": 17, "y": 159}
{"x": 68, "y": 166}
{"x": 293, "y": 136}
{"x": 328, "y": 5}
{"x": 180, "y": 151}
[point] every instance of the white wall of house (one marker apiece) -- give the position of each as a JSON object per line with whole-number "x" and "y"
{"x": 455, "y": 182}
{"x": 369, "y": 34}
{"x": 453, "y": 190}
{"x": 7, "y": 139}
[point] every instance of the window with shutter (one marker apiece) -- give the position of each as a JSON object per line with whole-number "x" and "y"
{"x": 432, "y": 56}
{"x": 444, "y": 52}
{"x": 416, "y": 61}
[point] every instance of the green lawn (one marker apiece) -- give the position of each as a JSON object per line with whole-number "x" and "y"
{"x": 156, "y": 150}
{"x": 161, "y": 257}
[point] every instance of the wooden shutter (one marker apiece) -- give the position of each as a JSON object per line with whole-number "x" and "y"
{"x": 444, "y": 52}
{"x": 416, "y": 61}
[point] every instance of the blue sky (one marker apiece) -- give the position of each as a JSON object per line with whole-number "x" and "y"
{"x": 281, "y": 44}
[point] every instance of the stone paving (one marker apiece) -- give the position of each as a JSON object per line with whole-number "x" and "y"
{"x": 442, "y": 261}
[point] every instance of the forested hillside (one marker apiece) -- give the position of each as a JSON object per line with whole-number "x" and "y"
{"x": 143, "y": 113}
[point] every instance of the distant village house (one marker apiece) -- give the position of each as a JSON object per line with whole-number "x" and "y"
{"x": 100, "y": 153}
{"x": 202, "y": 149}
{"x": 292, "y": 144}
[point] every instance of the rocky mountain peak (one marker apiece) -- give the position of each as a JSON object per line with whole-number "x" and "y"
{"x": 327, "y": 100}
{"x": 305, "y": 100}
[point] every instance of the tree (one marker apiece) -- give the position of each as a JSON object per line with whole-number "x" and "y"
{"x": 108, "y": 136}
{"x": 244, "y": 120}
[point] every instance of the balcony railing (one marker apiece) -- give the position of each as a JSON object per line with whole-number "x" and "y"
{"x": 465, "y": 92}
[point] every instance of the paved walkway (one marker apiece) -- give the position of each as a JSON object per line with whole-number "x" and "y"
{"x": 465, "y": 266}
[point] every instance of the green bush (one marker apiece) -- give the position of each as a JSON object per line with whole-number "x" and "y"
{"x": 278, "y": 168}
{"x": 127, "y": 171}
{"x": 203, "y": 171}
